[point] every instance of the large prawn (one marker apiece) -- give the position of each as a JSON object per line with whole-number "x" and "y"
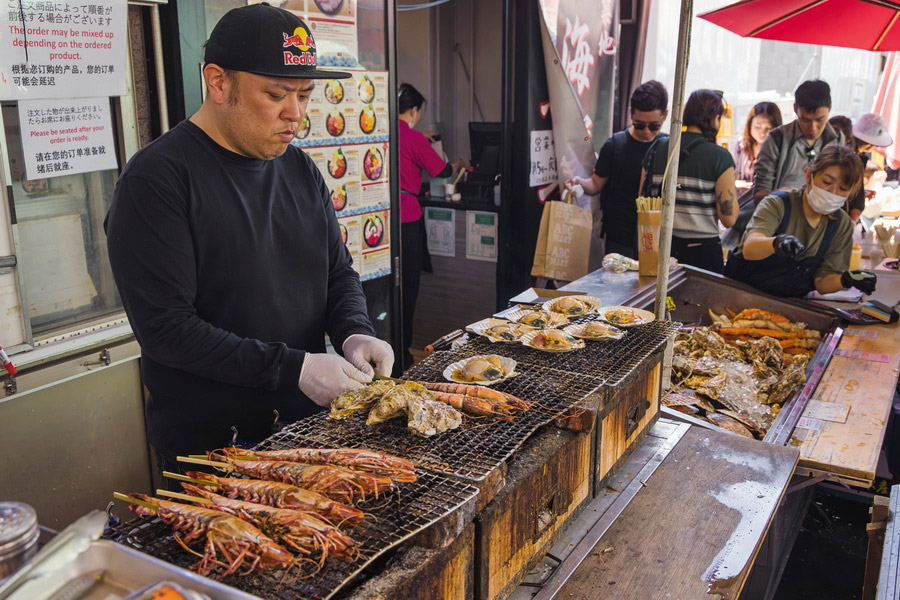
{"x": 302, "y": 531}
{"x": 396, "y": 468}
{"x": 329, "y": 480}
{"x": 230, "y": 542}
{"x": 477, "y": 399}
{"x": 275, "y": 493}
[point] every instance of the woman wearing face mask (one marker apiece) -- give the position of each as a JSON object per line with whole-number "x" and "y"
{"x": 416, "y": 155}
{"x": 800, "y": 241}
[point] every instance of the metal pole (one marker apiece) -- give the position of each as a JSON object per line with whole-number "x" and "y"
{"x": 156, "y": 32}
{"x": 668, "y": 205}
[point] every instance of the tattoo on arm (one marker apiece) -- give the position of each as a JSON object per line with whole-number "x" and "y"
{"x": 726, "y": 202}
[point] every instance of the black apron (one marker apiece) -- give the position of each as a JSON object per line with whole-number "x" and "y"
{"x": 779, "y": 275}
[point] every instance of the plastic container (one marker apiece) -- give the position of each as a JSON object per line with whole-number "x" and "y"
{"x": 18, "y": 536}
{"x": 855, "y": 257}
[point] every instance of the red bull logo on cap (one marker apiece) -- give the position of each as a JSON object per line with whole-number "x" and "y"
{"x": 302, "y": 41}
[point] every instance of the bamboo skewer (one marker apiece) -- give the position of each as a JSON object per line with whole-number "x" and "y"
{"x": 179, "y": 477}
{"x": 187, "y": 497}
{"x": 206, "y": 462}
{"x": 130, "y": 500}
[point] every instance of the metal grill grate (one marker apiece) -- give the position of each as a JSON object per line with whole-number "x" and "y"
{"x": 610, "y": 361}
{"x": 392, "y": 519}
{"x": 472, "y": 451}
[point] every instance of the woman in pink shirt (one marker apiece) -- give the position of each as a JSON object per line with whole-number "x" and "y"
{"x": 416, "y": 155}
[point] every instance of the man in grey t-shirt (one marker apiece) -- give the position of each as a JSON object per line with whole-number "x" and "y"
{"x": 789, "y": 149}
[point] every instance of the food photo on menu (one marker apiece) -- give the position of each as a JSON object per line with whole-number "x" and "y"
{"x": 373, "y": 163}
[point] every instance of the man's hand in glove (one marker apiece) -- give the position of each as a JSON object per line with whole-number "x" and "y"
{"x": 864, "y": 281}
{"x": 324, "y": 377}
{"x": 362, "y": 351}
{"x": 787, "y": 245}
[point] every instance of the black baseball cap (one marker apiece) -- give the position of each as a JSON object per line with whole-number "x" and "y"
{"x": 263, "y": 39}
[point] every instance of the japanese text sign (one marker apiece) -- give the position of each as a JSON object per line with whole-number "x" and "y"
{"x": 71, "y": 49}
{"x": 543, "y": 158}
{"x": 66, "y": 136}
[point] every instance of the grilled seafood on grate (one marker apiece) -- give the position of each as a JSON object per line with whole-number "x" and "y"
{"x": 426, "y": 415}
{"x": 626, "y": 316}
{"x": 573, "y": 306}
{"x": 359, "y": 400}
{"x": 483, "y": 370}
{"x": 477, "y": 400}
{"x": 594, "y": 330}
{"x": 302, "y": 531}
{"x": 398, "y": 469}
{"x": 538, "y": 318}
{"x": 231, "y": 543}
{"x": 552, "y": 340}
{"x": 277, "y": 494}
{"x": 335, "y": 482}
{"x": 498, "y": 330}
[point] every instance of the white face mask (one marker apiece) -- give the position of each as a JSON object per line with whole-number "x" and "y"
{"x": 823, "y": 201}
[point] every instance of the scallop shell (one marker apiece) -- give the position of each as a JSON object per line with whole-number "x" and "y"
{"x": 576, "y": 343}
{"x": 555, "y": 319}
{"x": 644, "y": 316}
{"x": 592, "y": 305}
{"x": 578, "y": 330}
{"x": 508, "y": 366}
{"x": 481, "y": 328}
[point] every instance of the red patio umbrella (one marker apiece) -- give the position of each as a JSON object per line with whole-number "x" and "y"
{"x": 865, "y": 24}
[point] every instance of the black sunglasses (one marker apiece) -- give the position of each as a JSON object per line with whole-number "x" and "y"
{"x": 652, "y": 126}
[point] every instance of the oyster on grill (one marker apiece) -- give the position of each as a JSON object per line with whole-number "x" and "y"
{"x": 572, "y": 307}
{"x": 507, "y": 332}
{"x": 537, "y": 319}
{"x": 359, "y": 400}
{"x": 487, "y": 368}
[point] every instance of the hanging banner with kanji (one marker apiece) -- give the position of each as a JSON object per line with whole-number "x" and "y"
{"x": 65, "y": 49}
{"x": 67, "y": 136}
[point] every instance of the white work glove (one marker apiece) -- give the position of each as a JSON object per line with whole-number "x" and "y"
{"x": 364, "y": 350}
{"x": 324, "y": 377}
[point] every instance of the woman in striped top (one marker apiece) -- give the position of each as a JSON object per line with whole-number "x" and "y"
{"x": 706, "y": 193}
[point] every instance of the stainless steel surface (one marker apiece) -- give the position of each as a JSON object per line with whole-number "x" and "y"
{"x": 18, "y": 536}
{"x": 87, "y": 435}
{"x": 613, "y": 288}
{"x": 128, "y": 570}
{"x": 590, "y": 540}
{"x": 780, "y": 431}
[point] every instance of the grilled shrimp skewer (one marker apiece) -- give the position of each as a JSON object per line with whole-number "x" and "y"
{"x": 379, "y": 463}
{"x": 229, "y": 539}
{"x": 302, "y": 531}
{"x": 277, "y": 494}
{"x": 335, "y": 482}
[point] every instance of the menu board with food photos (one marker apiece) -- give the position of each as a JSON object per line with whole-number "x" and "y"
{"x": 346, "y": 133}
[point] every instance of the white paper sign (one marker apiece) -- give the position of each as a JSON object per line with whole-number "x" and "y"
{"x": 543, "y": 158}
{"x": 63, "y": 49}
{"x": 440, "y": 228}
{"x": 65, "y": 137}
{"x": 481, "y": 235}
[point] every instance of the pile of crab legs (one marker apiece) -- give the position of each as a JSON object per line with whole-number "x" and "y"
{"x": 298, "y": 498}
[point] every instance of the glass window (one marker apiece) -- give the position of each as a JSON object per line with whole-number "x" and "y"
{"x": 61, "y": 246}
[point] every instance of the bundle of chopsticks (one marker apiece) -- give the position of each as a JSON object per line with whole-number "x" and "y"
{"x": 886, "y": 237}
{"x": 645, "y": 204}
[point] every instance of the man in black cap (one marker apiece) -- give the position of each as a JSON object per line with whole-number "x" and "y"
{"x": 227, "y": 253}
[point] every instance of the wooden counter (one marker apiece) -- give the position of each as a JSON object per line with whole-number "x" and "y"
{"x": 862, "y": 374}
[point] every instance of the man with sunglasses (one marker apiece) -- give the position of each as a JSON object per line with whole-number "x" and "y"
{"x": 617, "y": 173}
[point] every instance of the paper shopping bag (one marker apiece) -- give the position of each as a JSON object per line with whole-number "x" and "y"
{"x": 564, "y": 241}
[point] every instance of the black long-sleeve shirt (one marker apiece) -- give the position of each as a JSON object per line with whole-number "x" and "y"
{"x": 230, "y": 269}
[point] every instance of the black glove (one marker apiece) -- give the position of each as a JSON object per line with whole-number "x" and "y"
{"x": 787, "y": 246}
{"x": 864, "y": 281}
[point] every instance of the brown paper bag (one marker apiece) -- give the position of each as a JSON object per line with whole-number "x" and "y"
{"x": 648, "y": 241}
{"x": 564, "y": 241}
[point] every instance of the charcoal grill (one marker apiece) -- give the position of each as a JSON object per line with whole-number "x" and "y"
{"x": 394, "y": 518}
{"x": 478, "y": 447}
{"x": 610, "y": 361}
